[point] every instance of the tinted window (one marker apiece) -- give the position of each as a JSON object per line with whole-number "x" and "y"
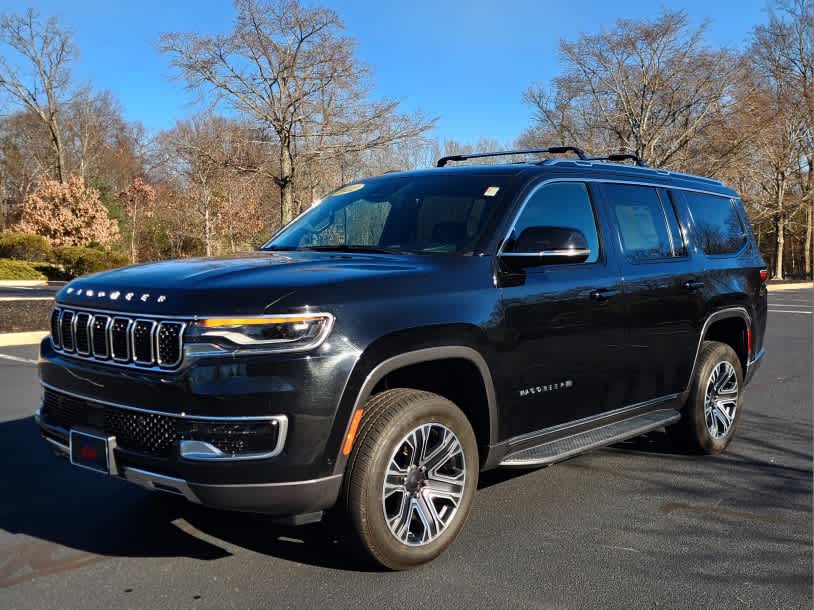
{"x": 641, "y": 221}
{"x": 562, "y": 204}
{"x": 410, "y": 213}
{"x": 360, "y": 223}
{"x": 717, "y": 225}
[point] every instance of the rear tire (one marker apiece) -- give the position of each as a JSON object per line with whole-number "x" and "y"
{"x": 714, "y": 406}
{"x": 411, "y": 477}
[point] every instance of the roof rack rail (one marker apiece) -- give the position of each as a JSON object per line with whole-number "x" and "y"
{"x": 621, "y": 157}
{"x": 557, "y": 150}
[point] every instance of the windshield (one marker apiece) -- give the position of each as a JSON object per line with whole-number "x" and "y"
{"x": 416, "y": 214}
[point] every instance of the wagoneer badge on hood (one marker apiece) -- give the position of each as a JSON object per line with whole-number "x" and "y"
{"x": 114, "y": 296}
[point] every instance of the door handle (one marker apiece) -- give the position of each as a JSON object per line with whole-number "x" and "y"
{"x": 603, "y": 294}
{"x": 693, "y": 284}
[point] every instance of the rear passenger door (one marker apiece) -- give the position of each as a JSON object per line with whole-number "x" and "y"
{"x": 663, "y": 290}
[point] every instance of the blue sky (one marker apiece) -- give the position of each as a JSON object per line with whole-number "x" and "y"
{"x": 464, "y": 61}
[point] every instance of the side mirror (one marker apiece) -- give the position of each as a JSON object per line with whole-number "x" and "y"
{"x": 546, "y": 246}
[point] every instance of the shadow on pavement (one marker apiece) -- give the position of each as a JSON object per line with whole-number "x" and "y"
{"x": 64, "y": 508}
{"x": 60, "y": 505}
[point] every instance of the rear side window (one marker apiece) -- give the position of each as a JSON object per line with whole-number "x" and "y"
{"x": 717, "y": 224}
{"x": 642, "y": 222}
{"x": 562, "y": 204}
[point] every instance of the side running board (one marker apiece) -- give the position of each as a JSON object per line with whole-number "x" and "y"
{"x": 562, "y": 448}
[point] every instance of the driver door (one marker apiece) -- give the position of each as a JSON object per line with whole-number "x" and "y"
{"x": 564, "y": 322}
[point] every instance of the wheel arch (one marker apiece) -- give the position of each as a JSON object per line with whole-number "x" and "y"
{"x": 729, "y": 326}
{"x": 482, "y": 415}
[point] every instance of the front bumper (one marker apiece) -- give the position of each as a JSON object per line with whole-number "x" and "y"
{"x": 289, "y": 498}
{"x": 302, "y": 392}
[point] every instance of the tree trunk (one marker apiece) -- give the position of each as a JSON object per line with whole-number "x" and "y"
{"x": 807, "y": 242}
{"x": 287, "y": 205}
{"x": 207, "y": 230}
{"x": 56, "y": 140}
{"x": 133, "y": 225}
{"x": 778, "y": 248}
{"x": 780, "y": 222}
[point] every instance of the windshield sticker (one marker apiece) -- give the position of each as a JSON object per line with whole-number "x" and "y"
{"x": 351, "y": 188}
{"x": 491, "y": 191}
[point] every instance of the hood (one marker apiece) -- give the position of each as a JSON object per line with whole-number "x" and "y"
{"x": 246, "y": 284}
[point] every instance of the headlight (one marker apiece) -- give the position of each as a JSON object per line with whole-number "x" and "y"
{"x": 284, "y": 332}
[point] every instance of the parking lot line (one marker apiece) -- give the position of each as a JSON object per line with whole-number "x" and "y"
{"x": 17, "y": 359}
{"x": 788, "y": 311}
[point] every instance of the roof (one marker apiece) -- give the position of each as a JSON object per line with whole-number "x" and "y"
{"x": 586, "y": 169}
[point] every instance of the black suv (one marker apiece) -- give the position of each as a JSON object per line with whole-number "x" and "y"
{"x": 410, "y": 331}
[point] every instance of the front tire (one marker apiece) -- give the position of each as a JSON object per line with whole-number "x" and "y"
{"x": 714, "y": 406}
{"x": 411, "y": 477}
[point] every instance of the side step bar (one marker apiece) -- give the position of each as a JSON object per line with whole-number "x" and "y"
{"x": 562, "y": 448}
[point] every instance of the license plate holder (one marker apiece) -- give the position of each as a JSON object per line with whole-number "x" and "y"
{"x": 92, "y": 450}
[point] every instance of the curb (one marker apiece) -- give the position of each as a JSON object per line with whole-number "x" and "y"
{"x": 791, "y": 286}
{"x": 18, "y": 339}
{"x": 9, "y": 299}
{"x": 22, "y": 283}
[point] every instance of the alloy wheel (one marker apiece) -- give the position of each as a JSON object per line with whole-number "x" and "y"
{"x": 721, "y": 399}
{"x": 424, "y": 484}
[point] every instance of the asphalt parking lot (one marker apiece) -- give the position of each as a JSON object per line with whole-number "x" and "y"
{"x": 636, "y": 525}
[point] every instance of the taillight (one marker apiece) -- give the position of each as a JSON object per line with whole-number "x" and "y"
{"x": 749, "y": 341}
{"x": 764, "y": 275}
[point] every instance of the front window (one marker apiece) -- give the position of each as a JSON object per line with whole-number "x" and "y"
{"x": 426, "y": 214}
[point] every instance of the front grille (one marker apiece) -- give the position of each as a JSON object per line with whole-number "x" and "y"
{"x": 121, "y": 339}
{"x": 152, "y": 433}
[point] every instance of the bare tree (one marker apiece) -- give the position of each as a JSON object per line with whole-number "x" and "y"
{"x": 137, "y": 199}
{"x": 40, "y": 78}
{"x": 649, "y": 87}
{"x": 287, "y": 67}
{"x": 783, "y": 56}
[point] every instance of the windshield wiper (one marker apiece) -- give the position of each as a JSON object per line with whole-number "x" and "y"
{"x": 351, "y": 248}
{"x": 276, "y": 249}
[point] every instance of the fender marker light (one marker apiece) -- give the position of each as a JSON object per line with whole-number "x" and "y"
{"x": 354, "y": 428}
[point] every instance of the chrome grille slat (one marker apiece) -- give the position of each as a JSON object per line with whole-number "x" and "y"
{"x": 66, "y": 330}
{"x": 169, "y": 337}
{"x": 55, "y": 332}
{"x": 120, "y": 339}
{"x": 141, "y": 341}
{"x": 99, "y": 336}
{"x": 81, "y": 331}
{"x": 131, "y": 341}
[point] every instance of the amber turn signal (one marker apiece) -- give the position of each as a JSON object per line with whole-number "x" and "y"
{"x": 354, "y": 427}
